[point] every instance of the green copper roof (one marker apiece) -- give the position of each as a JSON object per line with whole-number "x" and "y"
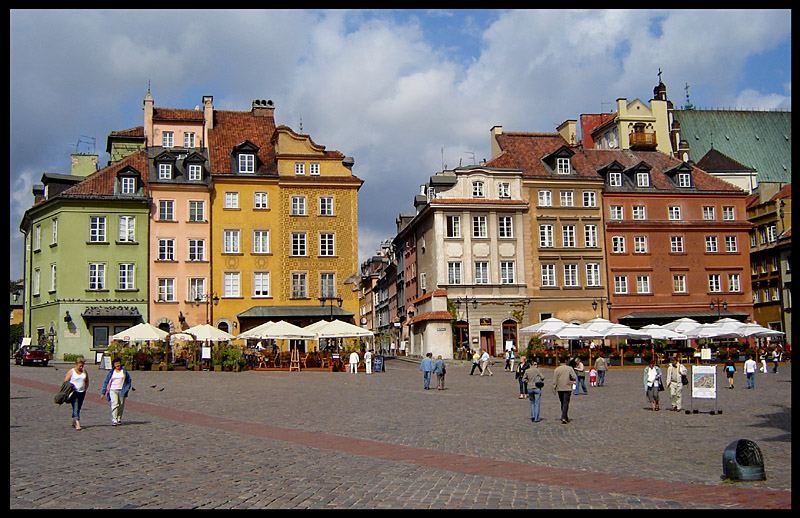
{"x": 759, "y": 139}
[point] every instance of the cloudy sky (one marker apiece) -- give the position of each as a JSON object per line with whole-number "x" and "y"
{"x": 404, "y": 92}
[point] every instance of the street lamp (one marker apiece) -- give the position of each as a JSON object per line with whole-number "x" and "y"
{"x": 210, "y": 297}
{"x": 608, "y": 304}
{"x": 720, "y": 304}
{"x": 467, "y": 301}
{"x": 323, "y": 300}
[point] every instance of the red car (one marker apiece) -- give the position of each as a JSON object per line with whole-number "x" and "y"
{"x": 31, "y": 354}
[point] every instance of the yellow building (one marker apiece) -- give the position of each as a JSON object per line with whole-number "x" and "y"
{"x": 284, "y": 224}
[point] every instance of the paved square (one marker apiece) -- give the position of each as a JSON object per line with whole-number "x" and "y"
{"x": 338, "y": 440}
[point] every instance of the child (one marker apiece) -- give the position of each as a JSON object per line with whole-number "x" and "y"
{"x": 593, "y": 377}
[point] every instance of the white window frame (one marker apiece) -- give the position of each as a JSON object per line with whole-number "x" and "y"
{"x": 261, "y": 241}
{"x": 545, "y": 198}
{"x": 53, "y": 276}
{"x": 166, "y": 289}
{"x": 639, "y": 212}
{"x": 97, "y": 229}
{"x": 166, "y": 249}
{"x": 166, "y": 210}
{"x": 478, "y": 189}
{"x": 571, "y": 275}
{"x": 299, "y": 285}
{"x": 97, "y": 276}
{"x": 563, "y": 165}
{"x": 590, "y": 236}
{"x": 734, "y": 283}
{"x": 196, "y": 250}
{"x": 298, "y": 206}
{"x": 621, "y": 284}
{"x": 567, "y": 198}
{"x": 548, "y": 272}
{"x": 230, "y": 241}
{"x": 231, "y": 284}
{"x": 195, "y": 172}
{"x": 299, "y": 168}
{"x": 711, "y": 245}
{"x": 231, "y": 200}
{"x": 481, "y": 272}
{"x": 589, "y": 199}
{"x": 643, "y": 284}
{"x": 684, "y": 180}
{"x": 327, "y": 284}
{"x": 327, "y": 244}
{"x": 728, "y": 213}
{"x": 617, "y": 212}
{"x": 313, "y": 168}
{"x": 643, "y": 179}
{"x": 54, "y": 235}
{"x": 247, "y": 163}
{"x": 593, "y": 274}
{"x": 507, "y": 272}
{"x": 127, "y": 185}
{"x": 709, "y": 213}
{"x": 299, "y": 244}
{"x": 261, "y": 284}
{"x": 639, "y": 244}
{"x": 260, "y": 200}
{"x": 189, "y": 139}
{"x": 326, "y": 206}
{"x": 504, "y": 190}
{"x": 617, "y": 244}
{"x": 167, "y": 138}
{"x": 453, "y": 226}
{"x": 194, "y": 205}
{"x": 615, "y": 179}
{"x": 568, "y": 236}
{"x": 127, "y": 229}
{"x": 479, "y": 230}
{"x": 714, "y": 283}
{"x": 454, "y": 272}
{"x": 546, "y": 239}
{"x": 674, "y": 213}
{"x": 164, "y": 171}
{"x": 676, "y": 244}
{"x": 679, "y": 283}
{"x": 505, "y": 226}
{"x": 731, "y": 244}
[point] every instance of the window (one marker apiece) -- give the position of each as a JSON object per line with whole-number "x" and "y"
{"x": 728, "y": 214}
{"x": 639, "y": 212}
{"x": 775, "y": 264}
{"x": 505, "y": 226}
{"x": 261, "y": 284}
{"x": 231, "y": 200}
{"x": 593, "y": 274}
{"x": 327, "y": 284}
{"x": 197, "y": 250}
{"x": 481, "y": 272}
{"x": 753, "y": 241}
{"x": 453, "y": 226}
{"x": 477, "y": 190}
{"x": 36, "y": 275}
{"x": 676, "y": 244}
{"x": 299, "y": 287}
{"x": 97, "y": 229}
{"x": 589, "y": 199}
{"x": 261, "y": 241}
{"x": 478, "y": 226}
{"x": 298, "y": 244}
{"x": 231, "y": 284}
{"x": 762, "y": 233}
{"x": 639, "y": 244}
{"x": 197, "y": 288}
{"x": 674, "y": 213}
{"x": 714, "y": 283}
{"x": 708, "y": 213}
{"x": 166, "y": 290}
{"x": 298, "y": 206}
{"x": 711, "y": 244}
{"x": 684, "y": 180}
{"x": 37, "y": 237}
{"x": 164, "y": 171}
{"x": 454, "y": 272}
{"x": 188, "y": 139}
{"x": 568, "y": 236}
{"x": 127, "y": 229}
{"x": 772, "y": 233}
{"x": 775, "y": 293}
{"x": 326, "y": 206}
{"x": 679, "y": 283}
{"x": 127, "y": 185}
{"x": 642, "y": 179}
{"x": 730, "y": 244}
{"x": 260, "y": 200}
{"x": 548, "y": 275}
{"x": 195, "y": 172}
{"x": 166, "y": 249}
{"x": 620, "y": 284}
{"x": 733, "y": 282}
{"x": 247, "y": 163}
{"x": 618, "y": 244}
{"x": 566, "y": 198}
{"x": 326, "y": 244}
{"x": 643, "y": 284}
{"x": 54, "y": 237}
{"x": 53, "y": 269}
{"x": 507, "y": 272}
{"x": 230, "y": 241}
{"x": 617, "y": 212}
{"x": 196, "y": 211}
{"x": 167, "y": 138}
{"x": 313, "y": 168}
{"x": 299, "y": 168}
{"x": 563, "y": 166}
{"x": 545, "y": 236}
{"x": 615, "y": 179}
{"x": 97, "y": 276}
{"x": 590, "y": 236}
{"x": 570, "y": 275}
{"x": 503, "y": 190}
{"x": 545, "y": 199}
{"x": 166, "y": 210}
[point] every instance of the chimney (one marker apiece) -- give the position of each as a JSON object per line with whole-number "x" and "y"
{"x": 38, "y": 193}
{"x": 82, "y": 165}
{"x": 494, "y": 147}
{"x": 567, "y": 130}
{"x": 208, "y": 117}
{"x": 263, "y": 107}
{"x": 148, "y": 119}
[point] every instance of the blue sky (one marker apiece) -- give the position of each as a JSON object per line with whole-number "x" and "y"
{"x": 399, "y": 90}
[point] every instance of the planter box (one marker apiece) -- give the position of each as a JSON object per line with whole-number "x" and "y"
{"x": 217, "y": 368}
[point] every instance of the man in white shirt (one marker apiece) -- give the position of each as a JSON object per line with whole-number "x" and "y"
{"x": 368, "y": 361}
{"x": 354, "y": 362}
{"x": 485, "y": 360}
{"x": 750, "y": 367}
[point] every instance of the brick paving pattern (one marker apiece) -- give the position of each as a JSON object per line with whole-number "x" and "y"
{"x": 322, "y": 440}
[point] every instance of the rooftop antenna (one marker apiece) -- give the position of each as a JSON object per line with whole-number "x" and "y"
{"x": 88, "y": 141}
{"x": 443, "y": 166}
{"x": 689, "y": 105}
{"x": 473, "y": 156}
{"x": 605, "y": 102}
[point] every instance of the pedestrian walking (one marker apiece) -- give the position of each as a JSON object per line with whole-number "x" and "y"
{"x": 776, "y": 357}
{"x": 652, "y": 383}
{"x": 519, "y": 374}
{"x": 507, "y": 357}
{"x": 368, "y": 361}
{"x": 563, "y": 377}
{"x": 354, "y": 359}
{"x": 116, "y": 387}
{"x": 730, "y": 370}
{"x": 440, "y": 369}
{"x": 593, "y": 377}
{"x": 750, "y": 367}
{"x": 535, "y": 382}
{"x": 426, "y": 366}
{"x": 763, "y": 359}
{"x": 485, "y": 361}
{"x": 512, "y": 357}
{"x": 476, "y": 362}
{"x": 79, "y": 379}
{"x": 580, "y": 372}
{"x": 675, "y": 373}
{"x": 601, "y": 366}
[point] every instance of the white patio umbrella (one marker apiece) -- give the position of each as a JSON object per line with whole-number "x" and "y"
{"x": 209, "y": 333}
{"x": 256, "y": 332}
{"x": 623, "y": 331}
{"x": 597, "y": 324}
{"x": 710, "y": 331}
{"x": 545, "y": 326}
{"x": 681, "y": 325}
{"x": 339, "y": 329}
{"x": 573, "y": 332}
{"x": 657, "y": 332}
{"x": 140, "y": 333}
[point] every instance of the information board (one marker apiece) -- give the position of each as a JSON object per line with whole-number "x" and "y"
{"x": 377, "y": 364}
{"x": 704, "y": 381}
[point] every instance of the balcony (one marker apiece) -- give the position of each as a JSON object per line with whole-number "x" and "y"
{"x": 641, "y": 140}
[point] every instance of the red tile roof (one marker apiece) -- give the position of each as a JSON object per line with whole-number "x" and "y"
{"x": 230, "y": 129}
{"x": 101, "y": 183}
{"x": 177, "y": 114}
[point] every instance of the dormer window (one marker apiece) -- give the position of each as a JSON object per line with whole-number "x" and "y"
{"x": 128, "y": 182}
{"x": 193, "y": 164}
{"x": 684, "y": 180}
{"x": 560, "y": 160}
{"x": 642, "y": 180}
{"x": 477, "y": 190}
{"x": 164, "y": 171}
{"x": 244, "y": 159}
{"x": 247, "y": 163}
{"x": 563, "y": 166}
{"x": 127, "y": 185}
{"x": 615, "y": 179}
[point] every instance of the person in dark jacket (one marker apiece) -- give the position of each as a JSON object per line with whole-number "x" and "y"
{"x": 116, "y": 388}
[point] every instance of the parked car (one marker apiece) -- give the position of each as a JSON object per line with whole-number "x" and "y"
{"x": 32, "y": 354}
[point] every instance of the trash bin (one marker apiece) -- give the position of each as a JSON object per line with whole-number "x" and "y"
{"x": 742, "y": 460}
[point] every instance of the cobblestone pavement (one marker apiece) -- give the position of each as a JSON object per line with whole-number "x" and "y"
{"x": 321, "y": 440}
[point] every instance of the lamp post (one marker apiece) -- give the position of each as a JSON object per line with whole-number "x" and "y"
{"x": 720, "y": 305}
{"x": 323, "y": 300}
{"x": 595, "y": 303}
{"x": 467, "y": 301}
{"x": 207, "y": 298}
